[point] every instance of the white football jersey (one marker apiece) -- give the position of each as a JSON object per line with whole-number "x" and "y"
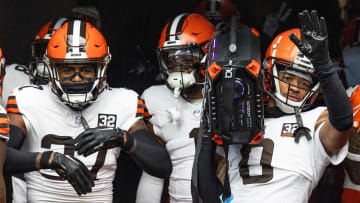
{"x": 278, "y": 169}
{"x": 14, "y": 77}
{"x": 176, "y": 121}
{"x": 4, "y": 124}
{"x": 52, "y": 125}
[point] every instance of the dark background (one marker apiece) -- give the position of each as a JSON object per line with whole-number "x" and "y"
{"x": 136, "y": 22}
{"x": 127, "y": 24}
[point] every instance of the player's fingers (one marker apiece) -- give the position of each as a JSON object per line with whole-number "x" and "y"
{"x": 85, "y": 179}
{"x": 74, "y": 184}
{"x": 85, "y": 140}
{"x": 323, "y": 26}
{"x": 85, "y": 170}
{"x": 88, "y": 148}
{"x": 282, "y": 9}
{"x": 316, "y": 22}
{"x": 307, "y": 20}
{"x": 92, "y": 150}
{"x": 295, "y": 40}
{"x": 83, "y": 134}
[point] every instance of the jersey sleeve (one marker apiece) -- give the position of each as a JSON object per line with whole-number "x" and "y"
{"x": 11, "y": 105}
{"x": 4, "y": 125}
{"x": 131, "y": 111}
{"x": 151, "y": 107}
{"x": 321, "y": 158}
{"x": 355, "y": 103}
{"x": 142, "y": 110}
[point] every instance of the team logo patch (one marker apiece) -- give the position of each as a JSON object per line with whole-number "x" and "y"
{"x": 196, "y": 113}
{"x": 106, "y": 120}
{"x": 288, "y": 129}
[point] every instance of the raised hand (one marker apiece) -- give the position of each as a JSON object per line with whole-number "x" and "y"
{"x": 314, "y": 36}
{"x": 272, "y": 20}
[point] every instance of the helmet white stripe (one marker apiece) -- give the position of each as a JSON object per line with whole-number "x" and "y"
{"x": 174, "y": 25}
{"x": 59, "y": 23}
{"x": 76, "y": 36}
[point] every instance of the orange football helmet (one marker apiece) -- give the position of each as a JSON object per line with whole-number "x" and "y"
{"x": 282, "y": 55}
{"x": 78, "y": 42}
{"x": 38, "y": 68}
{"x": 183, "y": 46}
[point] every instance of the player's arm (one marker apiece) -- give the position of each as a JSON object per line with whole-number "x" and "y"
{"x": 2, "y": 161}
{"x": 151, "y": 128}
{"x": 21, "y": 162}
{"x": 352, "y": 161}
{"x": 138, "y": 142}
{"x": 314, "y": 44}
{"x": 209, "y": 185}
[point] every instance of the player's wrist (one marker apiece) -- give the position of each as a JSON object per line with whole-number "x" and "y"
{"x": 45, "y": 159}
{"x": 127, "y": 140}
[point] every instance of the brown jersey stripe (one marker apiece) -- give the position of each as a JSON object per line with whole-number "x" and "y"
{"x": 322, "y": 118}
{"x": 142, "y": 110}
{"x": 3, "y": 115}
{"x": 11, "y": 106}
{"x": 4, "y": 125}
{"x": 146, "y": 112}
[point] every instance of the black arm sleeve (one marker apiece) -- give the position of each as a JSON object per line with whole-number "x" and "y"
{"x": 19, "y": 161}
{"x": 150, "y": 155}
{"x": 337, "y": 102}
{"x": 17, "y": 137}
{"x": 209, "y": 185}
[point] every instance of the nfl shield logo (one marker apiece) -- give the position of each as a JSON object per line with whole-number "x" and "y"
{"x": 196, "y": 113}
{"x": 77, "y": 120}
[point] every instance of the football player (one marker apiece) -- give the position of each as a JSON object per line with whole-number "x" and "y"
{"x": 175, "y": 106}
{"x": 76, "y": 119}
{"x": 37, "y": 73}
{"x": 20, "y": 75}
{"x": 299, "y": 141}
{"x": 351, "y": 191}
{"x": 4, "y": 132}
{"x": 350, "y": 55}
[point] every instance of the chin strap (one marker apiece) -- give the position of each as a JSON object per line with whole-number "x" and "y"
{"x": 301, "y": 130}
{"x": 174, "y": 113}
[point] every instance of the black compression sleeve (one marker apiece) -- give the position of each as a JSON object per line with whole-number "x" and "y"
{"x": 337, "y": 102}
{"x": 17, "y": 137}
{"x": 150, "y": 155}
{"x": 209, "y": 185}
{"x": 19, "y": 161}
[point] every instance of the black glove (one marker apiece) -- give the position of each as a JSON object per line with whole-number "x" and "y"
{"x": 273, "y": 20}
{"x": 71, "y": 169}
{"x": 314, "y": 36}
{"x": 95, "y": 139}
